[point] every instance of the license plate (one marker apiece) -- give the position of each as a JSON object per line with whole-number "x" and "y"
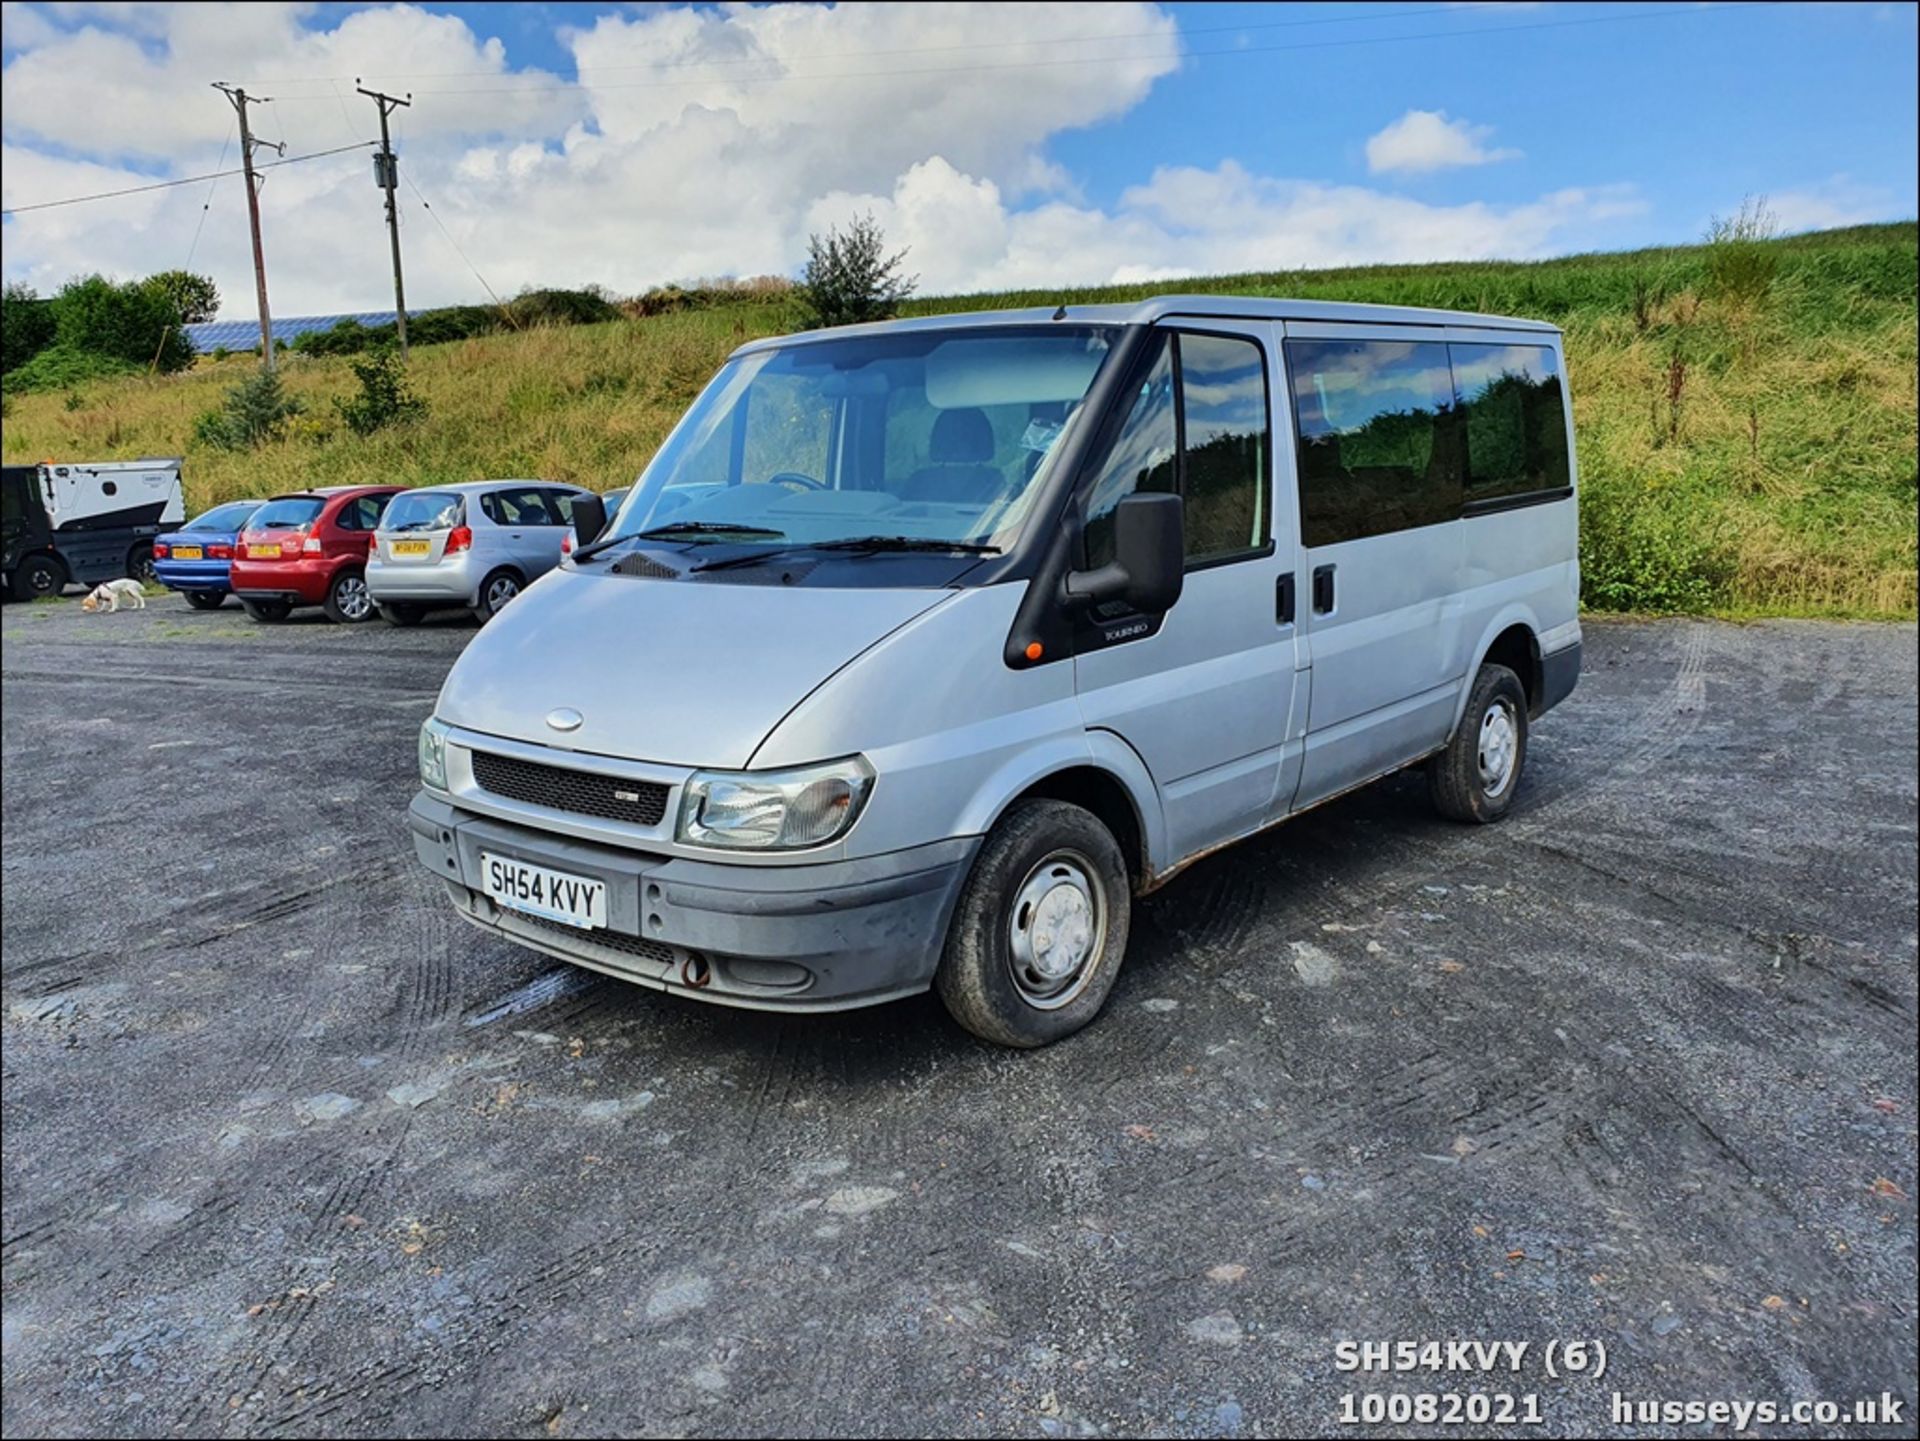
{"x": 263, "y": 552}
{"x": 573, "y": 900}
{"x": 186, "y": 552}
{"x": 412, "y": 547}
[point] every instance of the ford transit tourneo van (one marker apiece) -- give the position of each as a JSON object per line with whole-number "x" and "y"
{"x": 919, "y": 649}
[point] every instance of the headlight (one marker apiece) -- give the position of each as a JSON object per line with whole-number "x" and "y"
{"x": 433, "y": 755}
{"x": 774, "y": 810}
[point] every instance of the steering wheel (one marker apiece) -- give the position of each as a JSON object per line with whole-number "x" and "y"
{"x": 795, "y": 478}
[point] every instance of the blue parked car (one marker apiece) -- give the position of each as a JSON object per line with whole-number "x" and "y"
{"x": 194, "y": 560}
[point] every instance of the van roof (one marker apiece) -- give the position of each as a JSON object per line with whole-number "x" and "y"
{"x": 1145, "y": 312}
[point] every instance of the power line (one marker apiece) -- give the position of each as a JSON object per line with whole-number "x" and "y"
{"x": 207, "y": 204}
{"x": 1615, "y": 17}
{"x": 451, "y": 241}
{"x": 1367, "y": 14}
{"x": 184, "y": 180}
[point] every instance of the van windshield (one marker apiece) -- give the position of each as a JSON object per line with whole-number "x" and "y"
{"x": 923, "y": 439}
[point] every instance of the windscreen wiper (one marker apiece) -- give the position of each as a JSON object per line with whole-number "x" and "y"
{"x": 859, "y": 545}
{"x": 681, "y": 528}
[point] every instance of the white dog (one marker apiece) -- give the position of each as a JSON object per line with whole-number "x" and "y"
{"x": 111, "y": 593}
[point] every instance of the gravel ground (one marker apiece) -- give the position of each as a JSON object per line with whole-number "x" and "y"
{"x": 289, "y": 1150}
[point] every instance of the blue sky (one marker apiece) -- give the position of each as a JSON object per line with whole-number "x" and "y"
{"x": 705, "y": 141}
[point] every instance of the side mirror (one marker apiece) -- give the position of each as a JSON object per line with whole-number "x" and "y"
{"x": 1149, "y": 563}
{"x": 589, "y": 518}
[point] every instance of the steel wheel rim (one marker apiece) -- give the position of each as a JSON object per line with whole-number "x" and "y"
{"x": 352, "y": 598}
{"x": 43, "y": 579}
{"x": 1498, "y": 749}
{"x": 503, "y": 589}
{"x": 1056, "y": 930}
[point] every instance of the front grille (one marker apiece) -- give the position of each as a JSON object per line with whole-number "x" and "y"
{"x": 586, "y": 793}
{"x": 644, "y": 949}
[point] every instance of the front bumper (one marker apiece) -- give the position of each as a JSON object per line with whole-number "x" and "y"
{"x": 822, "y": 937}
{"x": 442, "y": 582}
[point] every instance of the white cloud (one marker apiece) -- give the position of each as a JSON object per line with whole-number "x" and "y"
{"x": 1836, "y": 201}
{"x": 1423, "y": 140}
{"x": 701, "y": 142}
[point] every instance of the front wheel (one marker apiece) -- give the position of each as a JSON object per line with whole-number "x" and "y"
{"x": 206, "y": 599}
{"x": 1040, "y": 929}
{"x": 268, "y": 612}
{"x": 348, "y": 600}
{"x": 38, "y": 576}
{"x": 1475, "y": 778}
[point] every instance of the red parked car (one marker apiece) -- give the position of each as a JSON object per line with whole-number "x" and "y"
{"x": 310, "y": 548}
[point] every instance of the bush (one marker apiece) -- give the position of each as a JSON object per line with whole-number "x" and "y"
{"x": 136, "y": 322}
{"x": 61, "y": 367}
{"x": 1741, "y": 266}
{"x": 560, "y": 307}
{"x": 850, "y": 278}
{"x": 1649, "y": 553}
{"x": 256, "y": 410}
{"x": 384, "y": 398}
{"x": 26, "y": 326}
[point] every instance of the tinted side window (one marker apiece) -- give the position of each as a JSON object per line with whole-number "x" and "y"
{"x": 516, "y": 507}
{"x": 1377, "y": 439}
{"x": 560, "y": 502}
{"x": 1516, "y": 424}
{"x": 1223, "y": 397}
{"x": 1142, "y": 458}
{"x": 361, "y": 513}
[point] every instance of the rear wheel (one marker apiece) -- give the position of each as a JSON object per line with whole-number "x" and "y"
{"x": 268, "y": 612}
{"x": 348, "y": 601}
{"x": 140, "y": 564}
{"x": 1040, "y": 929}
{"x": 38, "y": 576}
{"x": 206, "y": 599}
{"x": 496, "y": 592}
{"x": 1475, "y": 778}
{"x": 400, "y": 612}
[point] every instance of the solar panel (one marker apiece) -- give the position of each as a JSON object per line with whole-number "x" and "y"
{"x": 210, "y": 335}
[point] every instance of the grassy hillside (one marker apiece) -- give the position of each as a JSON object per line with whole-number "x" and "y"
{"x": 1748, "y": 457}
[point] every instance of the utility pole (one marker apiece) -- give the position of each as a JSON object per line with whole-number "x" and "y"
{"x": 241, "y": 100}
{"x": 386, "y": 174}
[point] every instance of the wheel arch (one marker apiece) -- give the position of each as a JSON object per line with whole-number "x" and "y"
{"x": 1105, "y": 776}
{"x": 1512, "y": 639}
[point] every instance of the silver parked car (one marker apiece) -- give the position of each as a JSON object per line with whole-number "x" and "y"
{"x": 474, "y": 546}
{"x": 920, "y": 649}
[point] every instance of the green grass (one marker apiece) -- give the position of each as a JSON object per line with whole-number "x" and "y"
{"x": 1781, "y": 482}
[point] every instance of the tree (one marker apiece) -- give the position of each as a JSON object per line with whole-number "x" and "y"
{"x": 384, "y": 398}
{"x": 254, "y": 411}
{"x": 850, "y": 278}
{"x": 196, "y": 297}
{"x": 135, "y": 322}
{"x": 26, "y": 326}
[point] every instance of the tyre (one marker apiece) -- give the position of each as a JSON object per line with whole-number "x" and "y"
{"x": 399, "y": 612}
{"x": 205, "y": 599}
{"x": 348, "y": 601}
{"x": 496, "y": 592}
{"x": 1476, "y": 776}
{"x": 1040, "y": 929}
{"x": 37, "y": 577}
{"x": 268, "y": 612}
{"x": 140, "y": 564}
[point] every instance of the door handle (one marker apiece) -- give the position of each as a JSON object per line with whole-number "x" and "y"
{"x": 1283, "y": 600}
{"x": 1322, "y": 589}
